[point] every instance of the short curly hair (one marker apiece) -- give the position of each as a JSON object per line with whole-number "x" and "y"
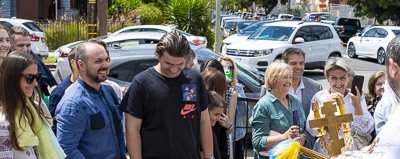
{"x": 274, "y": 72}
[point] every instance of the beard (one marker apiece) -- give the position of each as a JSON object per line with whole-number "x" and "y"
{"x": 94, "y": 76}
{"x": 394, "y": 85}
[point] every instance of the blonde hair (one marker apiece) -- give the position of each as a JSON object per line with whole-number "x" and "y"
{"x": 338, "y": 63}
{"x": 274, "y": 72}
{"x": 235, "y": 82}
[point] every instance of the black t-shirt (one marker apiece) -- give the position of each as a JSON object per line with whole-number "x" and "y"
{"x": 170, "y": 109}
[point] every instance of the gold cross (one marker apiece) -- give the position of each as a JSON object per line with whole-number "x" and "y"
{"x": 330, "y": 123}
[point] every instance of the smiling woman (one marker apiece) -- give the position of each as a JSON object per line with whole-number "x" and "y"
{"x": 339, "y": 73}
{"x": 273, "y": 113}
{"x": 26, "y": 129}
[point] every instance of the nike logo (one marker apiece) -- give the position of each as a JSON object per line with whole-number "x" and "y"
{"x": 188, "y": 108}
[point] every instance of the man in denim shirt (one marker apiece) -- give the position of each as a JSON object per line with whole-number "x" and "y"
{"x": 89, "y": 123}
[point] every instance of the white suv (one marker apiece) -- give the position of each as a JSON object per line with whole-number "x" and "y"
{"x": 38, "y": 38}
{"x": 318, "y": 40}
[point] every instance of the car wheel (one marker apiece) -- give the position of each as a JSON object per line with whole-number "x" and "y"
{"x": 381, "y": 56}
{"x": 351, "y": 51}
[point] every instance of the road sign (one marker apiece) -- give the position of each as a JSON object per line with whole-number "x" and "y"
{"x": 292, "y": 4}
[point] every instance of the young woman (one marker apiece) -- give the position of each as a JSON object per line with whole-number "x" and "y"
{"x": 215, "y": 110}
{"x": 4, "y": 42}
{"x": 26, "y": 133}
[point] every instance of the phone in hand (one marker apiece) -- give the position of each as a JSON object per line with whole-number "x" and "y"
{"x": 296, "y": 118}
{"x": 358, "y": 81}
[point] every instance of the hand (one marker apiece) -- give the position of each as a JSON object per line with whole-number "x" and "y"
{"x": 332, "y": 97}
{"x": 356, "y": 102}
{"x": 302, "y": 139}
{"x": 224, "y": 121}
{"x": 123, "y": 90}
{"x": 293, "y": 131}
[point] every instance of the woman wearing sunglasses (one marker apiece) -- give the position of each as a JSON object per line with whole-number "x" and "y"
{"x": 235, "y": 90}
{"x": 25, "y": 131}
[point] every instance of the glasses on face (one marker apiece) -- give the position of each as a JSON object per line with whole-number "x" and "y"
{"x": 31, "y": 77}
{"x": 230, "y": 68}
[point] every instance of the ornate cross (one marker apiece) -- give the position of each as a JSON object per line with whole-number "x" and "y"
{"x": 330, "y": 123}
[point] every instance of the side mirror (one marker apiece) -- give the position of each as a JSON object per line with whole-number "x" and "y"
{"x": 358, "y": 34}
{"x": 298, "y": 40}
{"x": 241, "y": 31}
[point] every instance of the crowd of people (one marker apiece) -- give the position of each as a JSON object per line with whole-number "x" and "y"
{"x": 173, "y": 111}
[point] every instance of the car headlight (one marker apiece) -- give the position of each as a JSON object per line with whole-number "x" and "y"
{"x": 262, "y": 52}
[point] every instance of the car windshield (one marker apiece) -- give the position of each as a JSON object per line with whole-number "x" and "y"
{"x": 396, "y": 32}
{"x": 184, "y": 33}
{"x": 275, "y": 33}
{"x": 32, "y": 26}
{"x": 351, "y": 22}
{"x": 243, "y": 25}
{"x": 251, "y": 28}
{"x": 229, "y": 25}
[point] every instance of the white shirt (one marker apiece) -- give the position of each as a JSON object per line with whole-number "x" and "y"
{"x": 365, "y": 128}
{"x": 6, "y": 149}
{"x": 385, "y": 146}
{"x": 298, "y": 91}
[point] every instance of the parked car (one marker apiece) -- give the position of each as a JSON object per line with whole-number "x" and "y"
{"x": 284, "y": 17}
{"x": 310, "y": 17}
{"x": 117, "y": 40}
{"x": 347, "y": 27}
{"x": 248, "y": 16}
{"x": 228, "y": 27}
{"x": 373, "y": 43}
{"x": 318, "y": 40}
{"x": 240, "y": 25}
{"x": 198, "y": 40}
{"x": 272, "y": 16}
{"x": 243, "y": 34}
{"x": 38, "y": 37}
{"x": 296, "y": 18}
{"x": 224, "y": 19}
{"x": 257, "y": 16}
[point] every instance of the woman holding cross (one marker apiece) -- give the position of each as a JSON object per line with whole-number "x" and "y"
{"x": 339, "y": 73}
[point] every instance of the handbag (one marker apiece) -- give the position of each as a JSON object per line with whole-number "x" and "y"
{"x": 361, "y": 141}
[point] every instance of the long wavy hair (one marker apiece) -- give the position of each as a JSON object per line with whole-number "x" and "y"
{"x": 214, "y": 80}
{"x": 12, "y": 97}
{"x": 235, "y": 82}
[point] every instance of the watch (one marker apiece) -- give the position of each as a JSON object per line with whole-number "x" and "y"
{"x": 210, "y": 158}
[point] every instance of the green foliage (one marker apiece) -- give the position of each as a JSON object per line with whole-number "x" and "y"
{"x": 149, "y": 14}
{"x": 381, "y": 10}
{"x": 119, "y": 8}
{"x": 59, "y": 33}
{"x": 191, "y": 16}
{"x": 66, "y": 31}
{"x": 268, "y": 5}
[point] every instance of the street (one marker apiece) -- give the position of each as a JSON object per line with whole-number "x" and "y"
{"x": 361, "y": 65}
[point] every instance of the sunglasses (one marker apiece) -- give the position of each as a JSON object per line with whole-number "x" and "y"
{"x": 228, "y": 68}
{"x": 31, "y": 77}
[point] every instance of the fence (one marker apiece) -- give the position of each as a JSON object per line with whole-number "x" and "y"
{"x": 62, "y": 32}
{"x": 247, "y": 138}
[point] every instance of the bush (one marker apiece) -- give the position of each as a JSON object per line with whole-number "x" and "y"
{"x": 191, "y": 16}
{"x": 149, "y": 14}
{"x": 66, "y": 31}
{"x": 123, "y": 8}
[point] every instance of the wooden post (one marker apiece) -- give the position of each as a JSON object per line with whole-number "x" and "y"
{"x": 102, "y": 12}
{"x": 92, "y": 19}
{"x": 329, "y": 122}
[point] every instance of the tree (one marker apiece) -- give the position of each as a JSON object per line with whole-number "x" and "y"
{"x": 270, "y": 4}
{"x": 381, "y": 10}
{"x": 191, "y": 16}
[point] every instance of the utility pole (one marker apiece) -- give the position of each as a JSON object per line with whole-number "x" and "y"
{"x": 102, "y": 12}
{"x": 217, "y": 26}
{"x": 92, "y": 19}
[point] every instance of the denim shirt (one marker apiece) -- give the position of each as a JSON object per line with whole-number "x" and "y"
{"x": 85, "y": 126}
{"x": 241, "y": 110}
{"x": 270, "y": 114}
